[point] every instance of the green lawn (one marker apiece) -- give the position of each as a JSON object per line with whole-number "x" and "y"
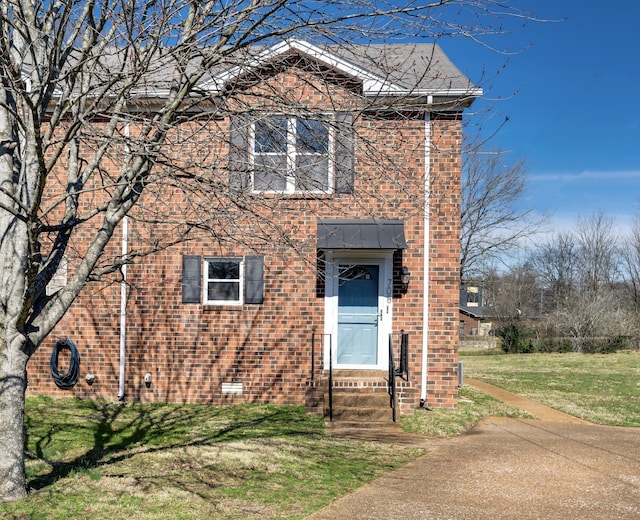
{"x": 472, "y": 407}
{"x": 105, "y": 461}
{"x": 602, "y": 388}
{"x": 140, "y": 461}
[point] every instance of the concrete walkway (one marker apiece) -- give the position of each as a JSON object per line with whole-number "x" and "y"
{"x": 538, "y": 410}
{"x": 554, "y": 467}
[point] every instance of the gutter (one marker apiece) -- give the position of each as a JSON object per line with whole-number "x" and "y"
{"x": 471, "y": 92}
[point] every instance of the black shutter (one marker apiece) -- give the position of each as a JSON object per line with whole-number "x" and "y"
{"x": 344, "y": 160}
{"x": 191, "y": 279}
{"x": 239, "y": 153}
{"x": 253, "y": 279}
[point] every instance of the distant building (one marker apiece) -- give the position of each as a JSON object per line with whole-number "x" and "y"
{"x": 476, "y": 317}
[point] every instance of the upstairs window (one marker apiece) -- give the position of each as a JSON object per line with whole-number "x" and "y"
{"x": 283, "y": 154}
{"x": 292, "y": 155}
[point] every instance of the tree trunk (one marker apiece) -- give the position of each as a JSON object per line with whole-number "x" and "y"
{"x": 13, "y": 370}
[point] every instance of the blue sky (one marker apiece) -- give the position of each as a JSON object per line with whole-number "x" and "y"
{"x": 570, "y": 92}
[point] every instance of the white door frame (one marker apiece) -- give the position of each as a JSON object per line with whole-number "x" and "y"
{"x": 384, "y": 259}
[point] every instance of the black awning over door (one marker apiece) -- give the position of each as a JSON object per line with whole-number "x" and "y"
{"x": 361, "y": 234}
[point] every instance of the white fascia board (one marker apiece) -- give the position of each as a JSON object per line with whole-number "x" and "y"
{"x": 371, "y": 82}
{"x": 452, "y": 93}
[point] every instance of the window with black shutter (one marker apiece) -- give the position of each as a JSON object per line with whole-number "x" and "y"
{"x": 275, "y": 153}
{"x": 223, "y": 280}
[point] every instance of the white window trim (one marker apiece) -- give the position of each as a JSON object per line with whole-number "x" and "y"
{"x": 205, "y": 280}
{"x": 290, "y": 186}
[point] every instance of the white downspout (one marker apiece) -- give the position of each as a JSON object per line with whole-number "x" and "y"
{"x": 427, "y": 247}
{"x": 123, "y": 310}
{"x": 123, "y": 294}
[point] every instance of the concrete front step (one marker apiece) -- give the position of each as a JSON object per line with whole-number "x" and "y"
{"x": 358, "y": 374}
{"x": 381, "y": 426}
{"x": 360, "y": 398}
{"x": 388, "y": 433}
{"x": 360, "y": 407}
{"x": 357, "y": 400}
{"x": 363, "y": 415}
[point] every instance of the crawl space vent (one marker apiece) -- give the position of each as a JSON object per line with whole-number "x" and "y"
{"x": 232, "y": 388}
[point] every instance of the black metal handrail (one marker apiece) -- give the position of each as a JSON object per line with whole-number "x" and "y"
{"x": 314, "y": 339}
{"x": 401, "y": 371}
{"x": 330, "y": 381}
{"x": 313, "y": 354}
{"x": 391, "y": 384}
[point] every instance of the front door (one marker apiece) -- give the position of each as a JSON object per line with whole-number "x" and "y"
{"x": 358, "y": 314}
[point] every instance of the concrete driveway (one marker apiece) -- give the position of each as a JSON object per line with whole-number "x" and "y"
{"x": 556, "y": 467}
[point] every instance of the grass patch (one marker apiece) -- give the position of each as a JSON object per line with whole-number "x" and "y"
{"x": 157, "y": 461}
{"x": 495, "y": 351}
{"x": 601, "y": 388}
{"x": 472, "y": 407}
{"x": 151, "y": 461}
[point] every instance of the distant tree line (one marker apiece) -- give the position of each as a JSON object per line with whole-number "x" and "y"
{"x": 577, "y": 291}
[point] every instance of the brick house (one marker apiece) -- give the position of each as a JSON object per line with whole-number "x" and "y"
{"x": 342, "y": 186}
{"x": 475, "y": 315}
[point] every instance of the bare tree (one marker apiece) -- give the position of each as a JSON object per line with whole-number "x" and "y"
{"x": 580, "y": 273}
{"x": 631, "y": 262}
{"x": 590, "y": 315}
{"x": 72, "y": 74}
{"x": 493, "y": 221}
{"x": 598, "y": 252}
{"x": 555, "y": 262}
{"x": 515, "y": 294}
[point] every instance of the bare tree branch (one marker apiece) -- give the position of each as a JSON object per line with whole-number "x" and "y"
{"x": 493, "y": 221}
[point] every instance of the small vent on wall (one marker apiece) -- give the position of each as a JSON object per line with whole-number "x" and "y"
{"x": 232, "y": 388}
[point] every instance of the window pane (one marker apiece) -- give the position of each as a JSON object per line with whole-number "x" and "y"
{"x": 224, "y": 270}
{"x": 223, "y": 282}
{"x": 271, "y": 135}
{"x": 223, "y": 291}
{"x": 312, "y": 173}
{"x": 270, "y": 173}
{"x": 311, "y": 136}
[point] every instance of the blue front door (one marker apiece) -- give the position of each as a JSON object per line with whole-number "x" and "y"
{"x": 358, "y": 315}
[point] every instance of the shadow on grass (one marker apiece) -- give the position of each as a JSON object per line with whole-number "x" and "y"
{"x": 105, "y": 433}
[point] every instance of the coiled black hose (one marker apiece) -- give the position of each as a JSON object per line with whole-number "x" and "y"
{"x": 69, "y": 379}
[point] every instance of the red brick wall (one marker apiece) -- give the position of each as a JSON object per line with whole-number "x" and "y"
{"x": 444, "y": 254}
{"x": 191, "y": 349}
